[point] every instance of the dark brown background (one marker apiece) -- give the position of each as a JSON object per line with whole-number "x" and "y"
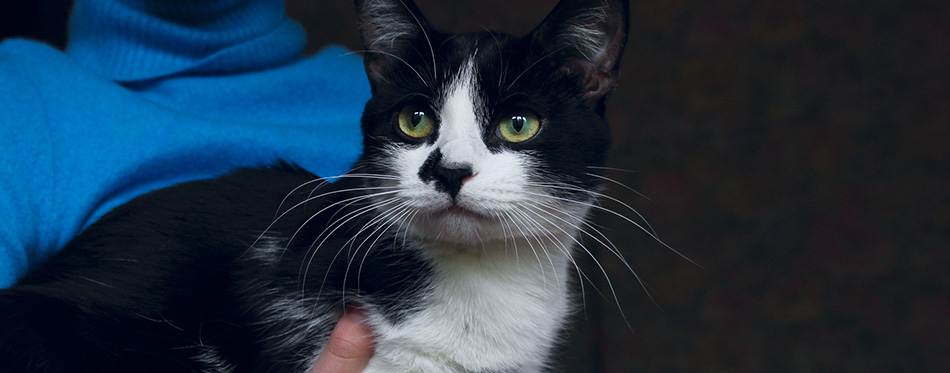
{"x": 796, "y": 150}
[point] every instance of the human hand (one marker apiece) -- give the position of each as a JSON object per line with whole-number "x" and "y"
{"x": 349, "y": 348}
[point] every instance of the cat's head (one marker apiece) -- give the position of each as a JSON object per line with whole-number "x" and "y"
{"x": 483, "y": 138}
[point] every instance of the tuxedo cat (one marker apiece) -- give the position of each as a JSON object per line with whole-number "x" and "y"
{"x": 455, "y": 230}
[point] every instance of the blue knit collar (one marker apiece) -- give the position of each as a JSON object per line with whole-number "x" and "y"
{"x": 134, "y": 40}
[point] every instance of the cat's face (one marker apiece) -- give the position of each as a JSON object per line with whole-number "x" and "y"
{"x": 484, "y": 139}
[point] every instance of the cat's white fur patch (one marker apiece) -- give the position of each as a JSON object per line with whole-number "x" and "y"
{"x": 460, "y": 136}
{"x": 487, "y": 313}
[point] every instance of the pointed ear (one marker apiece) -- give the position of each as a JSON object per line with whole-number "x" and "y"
{"x": 590, "y": 35}
{"x": 387, "y": 28}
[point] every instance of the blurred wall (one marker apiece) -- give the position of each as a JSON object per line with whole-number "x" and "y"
{"x": 795, "y": 150}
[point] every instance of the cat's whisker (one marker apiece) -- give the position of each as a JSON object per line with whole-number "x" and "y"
{"x": 505, "y": 219}
{"x": 501, "y": 59}
{"x": 377, "y": 219}
{"x": 526, "y": 221}
{"x": 424, "y": 81}
{"x": 404, "y": 98}
{"x": 600, "y": 196}
{"x": 535, "y": 63}
{"x": 581, "y": 276}
{"x": 603, "y": 271}
{"x": 356, "y": 176}
{"x": 622, "y": 185}
{"x": 405, "y": 209}
{"x": 528, "y": 235}
{"x": 292, "y": 191}
{"x": 625, "y": 218}
{"x": 428, "y": 41}
{"x": 609, "y": 245}
{"x": 613, "y": 249}
{"x": 568, "y": 253}
{"x": 533, "y": 205}
{"x": 345, "y": 202}
{"x": 311, "y": 199}
{"x": 542, "y": 231}
{"x": 608, "y": 168}
{"x": 382, "y": 227}
{"x": 408, "y": 223}
{"x": 498, "y": 216}
{"x": 381, "y": 221}
{"x": 335, "y": 225}
{"x": 278, "y": 215}
{"x": 352, "y": 175}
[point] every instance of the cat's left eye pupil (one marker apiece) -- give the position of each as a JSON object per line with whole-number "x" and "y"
{"x": 416, "y": 118}
{"x": 517, "y": 123}
{"x": 414, "y": 122}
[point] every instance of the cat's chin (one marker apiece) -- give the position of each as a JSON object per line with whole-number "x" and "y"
{"x": 458, "y": 227}
{"x": 453, "y": 230}
{"x": 456, "y": 212}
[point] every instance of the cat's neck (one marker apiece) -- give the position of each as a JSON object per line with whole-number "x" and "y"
{"x": 496, "y": 308}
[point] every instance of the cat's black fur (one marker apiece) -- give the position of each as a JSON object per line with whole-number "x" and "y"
{"x": 151, "y": 283}
{"x": 224, "y": 274}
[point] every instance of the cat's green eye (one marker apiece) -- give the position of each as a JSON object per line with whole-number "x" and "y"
{"x": 415, "y": 122}
{"x": 519, "y": 127}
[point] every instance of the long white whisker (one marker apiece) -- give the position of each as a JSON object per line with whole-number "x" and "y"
{"x": 353, "y": 252}
{"x": 567, "y": 252}
{"x": 531, "y": 66}
{"x": 601, "y": 196}
{"x": 344, "y": 201}
{"x": 405, "y": 209}
{"x": 426, "y": 35}
{"x": 613, "y": 249}
{"x": 620, "y": 184}
{"x": 396, "y": 57}
{"x": 597, "y": 262}
{"x": 311, "y": 199}
{"x": 608, "y": 168}
{"x": 336, "y": 225}
{"x": 594, "y": 206}
{"x": 527, "y": 220}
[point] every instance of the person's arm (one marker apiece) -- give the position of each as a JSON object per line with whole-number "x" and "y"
{"x": 27, "y": 182}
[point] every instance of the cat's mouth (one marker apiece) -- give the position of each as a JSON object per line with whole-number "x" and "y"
{"x": 456, "y": 210}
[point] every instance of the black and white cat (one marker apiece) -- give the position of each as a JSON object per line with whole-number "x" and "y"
{"x": 454, "y": 230}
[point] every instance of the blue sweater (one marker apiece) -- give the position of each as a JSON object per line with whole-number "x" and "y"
{"x": 142, "y": 100}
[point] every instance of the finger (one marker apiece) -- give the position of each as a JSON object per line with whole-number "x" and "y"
{"x": 349, "y": 348}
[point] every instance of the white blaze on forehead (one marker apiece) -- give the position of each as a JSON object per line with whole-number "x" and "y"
{"x": 460, "y": 136}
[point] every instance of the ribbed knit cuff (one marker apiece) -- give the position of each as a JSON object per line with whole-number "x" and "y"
{"x": 133, "y": 40}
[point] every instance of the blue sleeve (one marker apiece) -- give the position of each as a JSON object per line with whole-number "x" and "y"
{"x": 26, "y": 182}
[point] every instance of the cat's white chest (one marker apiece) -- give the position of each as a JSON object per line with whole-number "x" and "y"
{"x": 496, "y": 314}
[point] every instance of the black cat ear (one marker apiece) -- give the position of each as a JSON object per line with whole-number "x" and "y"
{"x": 591, "y": 34}
{"x": 388, "y": 28}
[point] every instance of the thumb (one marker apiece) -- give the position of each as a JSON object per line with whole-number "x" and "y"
{"x": 349, "y": 348}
